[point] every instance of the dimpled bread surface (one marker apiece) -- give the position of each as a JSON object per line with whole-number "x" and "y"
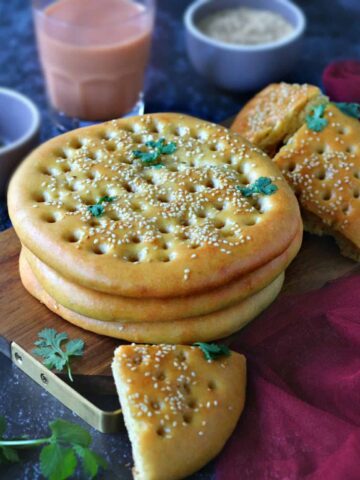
{"x": 323, "y": 168}
{"x": 179, "y": 408}
{"x": 274, "y": 114}
{"x": 177, "y": 230}
{"x": 106, "y": 307}
{"x": 203, "y": 328}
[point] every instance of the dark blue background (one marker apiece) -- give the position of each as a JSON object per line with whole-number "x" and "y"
{"x": 171, "y": 84}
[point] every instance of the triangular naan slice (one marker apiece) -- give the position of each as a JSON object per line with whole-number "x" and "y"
{"x": 274, "y": 114}
{"x": 179, "y": 408}
{"x": 323, "y": 168}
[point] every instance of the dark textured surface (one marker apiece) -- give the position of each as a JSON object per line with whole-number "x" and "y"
{"x": 333, "y": 31}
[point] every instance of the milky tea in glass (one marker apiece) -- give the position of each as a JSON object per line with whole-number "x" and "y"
{"x": 93, "y": 54}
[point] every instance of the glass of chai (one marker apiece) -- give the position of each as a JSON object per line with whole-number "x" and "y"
{"x": 94, "y": 55}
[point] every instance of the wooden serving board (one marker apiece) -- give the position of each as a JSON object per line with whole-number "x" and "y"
{"x": 22, "y": 317}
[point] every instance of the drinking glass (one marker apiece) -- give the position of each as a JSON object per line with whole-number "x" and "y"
{"x": 93, "y": 55}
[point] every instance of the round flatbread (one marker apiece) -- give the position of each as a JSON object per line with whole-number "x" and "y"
{"x": 152, "y": 206}
{"x": 106, "y": 307}
{"x": 204, "y": 329}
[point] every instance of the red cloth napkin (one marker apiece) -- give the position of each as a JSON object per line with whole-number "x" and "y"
{"x": 302, "y": 413}
{"x": 342, "y": 81}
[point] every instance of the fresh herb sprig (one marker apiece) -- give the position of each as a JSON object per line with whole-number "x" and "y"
{"x": 212, "y": 351}
{"x": 98, "y": 209}
{"x": 163, "y": 147}
{"x": 262, "y": 185}
{"x": 350, "y": 109}
{"x": 156, "y": 149}
{"x": 7, "y": 453}
{"x": 50, "y": 348}
{"x": 315, "y": 120}
{"x": 60, "y": 453}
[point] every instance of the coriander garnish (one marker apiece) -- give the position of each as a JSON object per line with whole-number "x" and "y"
{"x": 213, "y": 350}
{"x": 315, "y": 121}
{"x": 350, "y": 109}
{"x": 60, "y": 453}
{"x": 262, "y": 185}
{"x": 98, "y": 209}
{"x": 49, "y": 347}
{"x": 156, "y": 149}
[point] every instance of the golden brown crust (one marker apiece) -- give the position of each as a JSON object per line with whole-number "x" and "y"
{"x": 315, "y": 225}
{"x": 204, "y": 328}
{"x": 102, "y": 306}
{"x": 324, "y": 170}
{"x": 274, "y": 114}
{"x": 152, "y": 241}
{"x": 174, "y": 400}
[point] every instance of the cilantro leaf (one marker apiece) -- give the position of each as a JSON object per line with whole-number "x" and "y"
{"x": 262, "y": 185}
{"x": 162, "y": 147}
{"x": 7, "y": 454}
{"x": 98, "y": 209}
{"x": 169, "y": 148}
{"x": 75, "y": 348}
{"x": 137, "y": 153}
{"x": 67, "y": 432}
{"x": 106, "y": 198}
{"x": 350, "y": 109}
{"x": 54, "y": 360}
{"x": 213, "y": 350}
{"x": 57, "y": 462}
{"x": 153, "y": 144}
{"x": 156, "y": 150}
{"x": 91, "y": 461}
{"x": 60, "y": 452}
{"x": 43, "y": 351}
{"x": 50, "y": 337}
{"x": 50, "y": 348}
{"x": 10, "y": 454}
{"x": 147, "y": 157}
{"x": 315, "y": 121}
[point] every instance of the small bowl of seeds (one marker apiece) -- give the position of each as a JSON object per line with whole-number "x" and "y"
{"x": 243, "y": 45}
{"x": 19, "y": 131}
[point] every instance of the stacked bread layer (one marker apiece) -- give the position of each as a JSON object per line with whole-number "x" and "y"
{"x": 173, "y": 250}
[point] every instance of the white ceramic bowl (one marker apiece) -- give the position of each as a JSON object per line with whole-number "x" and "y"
{"x": 19, "y": 131}
{"x": 243, "y": 67}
